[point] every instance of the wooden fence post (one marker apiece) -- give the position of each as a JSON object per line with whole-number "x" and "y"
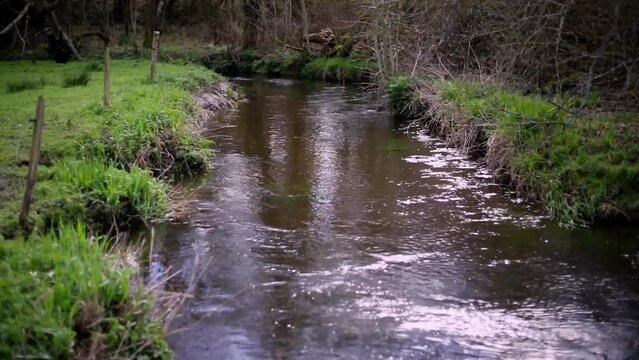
{"x": 107, "y": 75}
{"x": 154, "y": 53}
{"x": 33, "y": 162}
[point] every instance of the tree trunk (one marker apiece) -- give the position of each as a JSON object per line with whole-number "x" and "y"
{"x": 305, "y": 21}
{"x": 150, "y": 13}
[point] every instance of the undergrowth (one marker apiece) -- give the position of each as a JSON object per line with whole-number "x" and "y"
{"x": 248, "y": 62}
{"x": 401, "y": 92}
{"x": 63, "y": 296}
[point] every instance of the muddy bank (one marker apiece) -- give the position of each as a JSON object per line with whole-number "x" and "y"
{"x": 214, "y": 97}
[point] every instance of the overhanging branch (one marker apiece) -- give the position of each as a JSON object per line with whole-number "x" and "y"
{"x": 16, "y": 20}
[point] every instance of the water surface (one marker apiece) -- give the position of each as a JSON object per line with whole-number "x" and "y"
{"x": 332, "y": 233}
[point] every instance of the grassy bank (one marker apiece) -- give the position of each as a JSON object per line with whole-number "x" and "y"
{"x": 581, "y": 162}
{"x": 148, "y": 130}
{"x": 62, "y": 295}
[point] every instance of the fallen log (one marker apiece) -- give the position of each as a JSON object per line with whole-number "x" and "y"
{"x": 325, "y": 39}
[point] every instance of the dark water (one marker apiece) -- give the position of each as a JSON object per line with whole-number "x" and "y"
{"x": 333, "y": 234}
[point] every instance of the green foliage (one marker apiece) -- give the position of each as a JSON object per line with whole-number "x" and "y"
{"x": 400, "y": 91}
{"x": 25, "y": 84}
{"x": 61, "y": 295}
{"x": 248, "y": 62}
{"x": 77, "y": 78}
{"x": 278, "y": 63}
{"x": 100, "y": 194}
{"x": 270, "y": 64}
{"x": 584, "y": 168}
{"x": 336, "y": 69}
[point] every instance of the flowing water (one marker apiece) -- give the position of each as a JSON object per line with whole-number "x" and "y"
{"x": 332, "y": 233}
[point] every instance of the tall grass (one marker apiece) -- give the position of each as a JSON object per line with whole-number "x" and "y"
{"x": 62, "y": 296}
{"x": 25, "y": 84}
{"x": 162, "y": 140}
{"x": 77, "y": 78}
{"x": 100, "y": 195}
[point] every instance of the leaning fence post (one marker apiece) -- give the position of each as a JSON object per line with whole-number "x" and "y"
{"x": 33, "y": 162}
{"x": 154, "y": 53}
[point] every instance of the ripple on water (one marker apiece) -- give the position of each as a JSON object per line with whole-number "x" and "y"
{"x": 330, "y": 235}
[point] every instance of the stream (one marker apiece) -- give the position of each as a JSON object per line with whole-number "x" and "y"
{"x": 329, "y": 232}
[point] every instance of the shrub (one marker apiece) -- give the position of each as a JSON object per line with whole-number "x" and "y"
{"x": 401, "y": 90}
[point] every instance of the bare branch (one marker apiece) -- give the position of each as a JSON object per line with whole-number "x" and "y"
{"x": 16, "y": 20}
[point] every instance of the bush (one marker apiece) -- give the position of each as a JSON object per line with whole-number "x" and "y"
{"x": 62, "y": 295}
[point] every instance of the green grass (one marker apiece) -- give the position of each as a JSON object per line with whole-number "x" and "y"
{"x": 100, "y": 194}
{"x": 25, "y": 83}
{"x": 149, "y": 125}
{"x": 583, "y": 166}
{"x": 62, "y": 294}
{"x": 336, "y": 69}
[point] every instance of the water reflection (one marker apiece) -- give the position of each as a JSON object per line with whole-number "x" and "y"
{"x": 333, "y": 235}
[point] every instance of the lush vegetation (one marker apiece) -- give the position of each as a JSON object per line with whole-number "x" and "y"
{"x": 62, "y": 295}
{"x": 584, "y": 166}
{"x": 149, "y": 126}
